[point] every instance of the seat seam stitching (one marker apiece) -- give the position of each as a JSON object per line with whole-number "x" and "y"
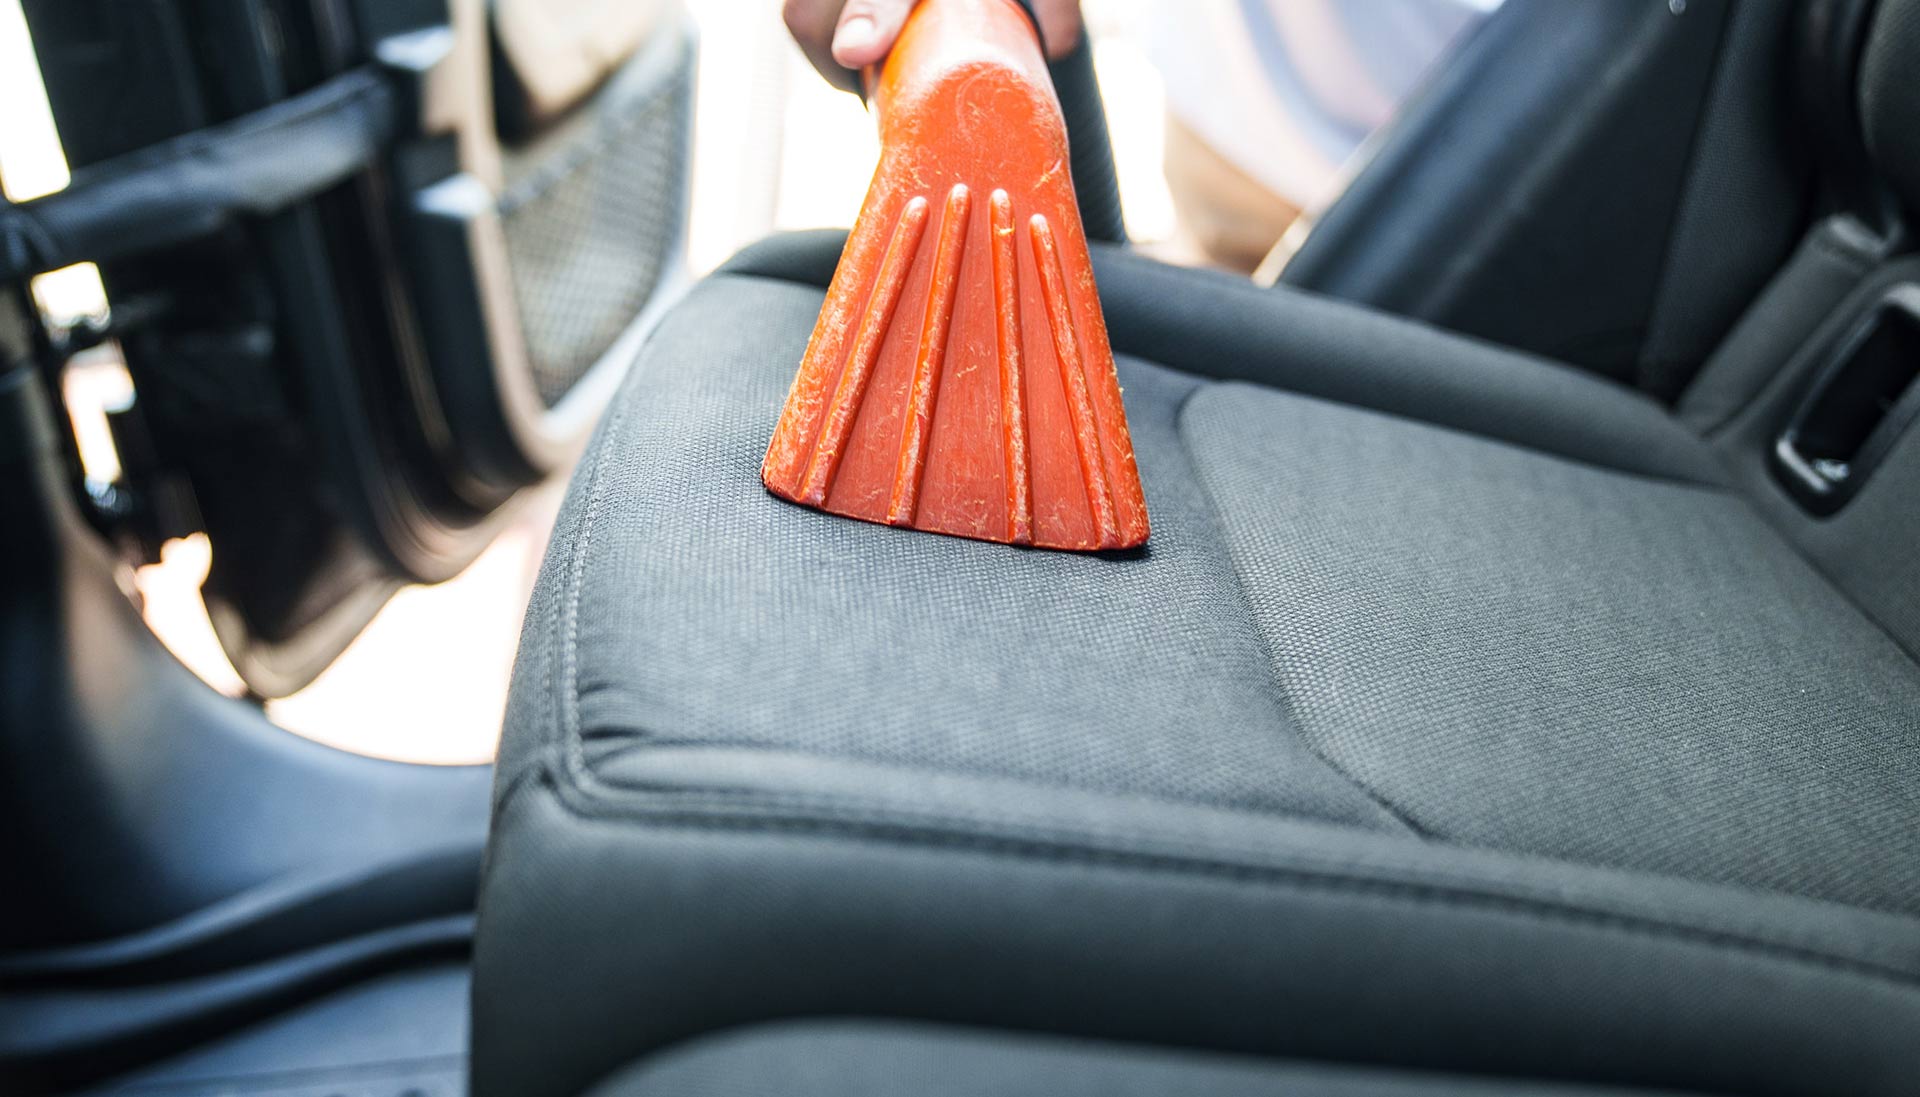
{"x": 1073, "y": 848}
{"x": 1215, "y": 515}
{"x": 569, "y": 691}
{"x": 644, "y": 742}
{"x": 1591, "y": 464}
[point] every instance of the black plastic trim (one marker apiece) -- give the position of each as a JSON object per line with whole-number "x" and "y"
{"x": 1823, "y": 472}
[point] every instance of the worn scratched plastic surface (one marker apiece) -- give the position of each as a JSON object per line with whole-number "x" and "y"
{"x": 959, "y": 378}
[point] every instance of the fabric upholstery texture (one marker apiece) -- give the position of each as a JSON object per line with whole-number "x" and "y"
{"x": 1140, "y": 674}
{"x": 1461, "y": 715}
{"x": 1526, "y": 652}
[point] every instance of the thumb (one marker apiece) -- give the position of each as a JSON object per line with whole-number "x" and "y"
{"x": 867, "y": 29}
{"x": 1061, "y": 21}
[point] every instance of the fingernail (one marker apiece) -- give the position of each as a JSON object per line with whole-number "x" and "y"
{"x": 856, "y": 33}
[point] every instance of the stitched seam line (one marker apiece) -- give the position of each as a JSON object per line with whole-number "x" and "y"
{"x": 856, "y": 812}
{"x": 1393, "y": 810}
{"x": 639, "y": 740}
{"x": 1592, "y": 464}
{"x": 568, "y": 695}
{"x": 1325, "y": 881}
{"x": 858, "y": 809}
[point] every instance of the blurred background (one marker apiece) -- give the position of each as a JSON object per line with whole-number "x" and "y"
{"x": 775, "y": 148}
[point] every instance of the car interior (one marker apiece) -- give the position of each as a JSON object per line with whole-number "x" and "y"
{"x": 1519, "y": 691}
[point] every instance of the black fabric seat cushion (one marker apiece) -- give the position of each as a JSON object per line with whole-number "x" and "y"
{"x": 1446, "y": 636}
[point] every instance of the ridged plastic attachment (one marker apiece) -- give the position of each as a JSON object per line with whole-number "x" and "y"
{"x": 959, "y": 378}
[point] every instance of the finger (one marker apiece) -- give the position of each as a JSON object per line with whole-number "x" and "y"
{"x": 1061, "y": 23}
{"x": 812, "y": 23}
{"x": 867, "y": 30}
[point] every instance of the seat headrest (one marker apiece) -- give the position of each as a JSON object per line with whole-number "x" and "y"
{"x": 1890, "y": 97}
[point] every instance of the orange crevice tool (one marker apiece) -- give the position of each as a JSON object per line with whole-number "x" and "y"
{"x": 959, "y": 378}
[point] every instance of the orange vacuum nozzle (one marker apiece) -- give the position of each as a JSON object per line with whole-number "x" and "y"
{"x": 959, "y": 378}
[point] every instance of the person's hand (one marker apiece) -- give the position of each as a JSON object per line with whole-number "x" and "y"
{"x": 841, "y": 37}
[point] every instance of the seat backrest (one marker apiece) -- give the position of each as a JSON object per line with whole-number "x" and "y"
{"x": 1607, "y": 184}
